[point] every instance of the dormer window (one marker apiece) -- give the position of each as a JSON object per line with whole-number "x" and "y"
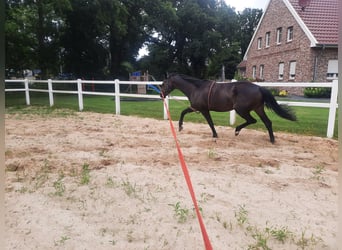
{"x": 290, "y": 34}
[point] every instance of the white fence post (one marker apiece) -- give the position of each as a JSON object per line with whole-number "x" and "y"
{"x": 80, "y": 96}
{"x": 50, "y": 92}
{"x": 232, "y": 114}
{"x": 332, "y": 109}
{"x": 166, "y": 100}
{"x": 117, "y": 96}
{"x": 27, "y": 92}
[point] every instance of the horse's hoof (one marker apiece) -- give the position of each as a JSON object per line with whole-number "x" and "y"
{"x": 237, "y": 133}
{"x": 215, "y": 136}
{"x": 180, "y": 128}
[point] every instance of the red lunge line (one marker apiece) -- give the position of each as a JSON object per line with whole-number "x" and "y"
{"x": 188, "y": 182}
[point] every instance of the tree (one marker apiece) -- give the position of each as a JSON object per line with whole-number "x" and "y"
{"x": 248, "y": 21}
{"x": 196, "y": 37}
{"x": 84, "y": 41}
{"x": 32, "y": 34}
{"x": 97, "y": 39}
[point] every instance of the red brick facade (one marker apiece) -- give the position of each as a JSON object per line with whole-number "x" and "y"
{"x": 311, "y": 63}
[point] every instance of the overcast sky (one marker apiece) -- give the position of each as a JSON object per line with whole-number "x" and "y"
{"x": 240, "y": 5}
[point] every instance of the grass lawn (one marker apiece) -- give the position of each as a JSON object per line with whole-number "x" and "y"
{"x": 311, "y": 121}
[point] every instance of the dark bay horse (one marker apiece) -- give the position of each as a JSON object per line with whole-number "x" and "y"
{"x": 243, "y": 97}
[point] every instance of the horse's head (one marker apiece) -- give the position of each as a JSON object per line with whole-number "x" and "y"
{"x": 166, "y": 87}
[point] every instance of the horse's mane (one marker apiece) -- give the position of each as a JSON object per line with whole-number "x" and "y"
{"x": 195, "y": 81}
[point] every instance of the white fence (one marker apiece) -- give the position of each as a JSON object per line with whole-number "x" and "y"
{"x": 332, "y": 105}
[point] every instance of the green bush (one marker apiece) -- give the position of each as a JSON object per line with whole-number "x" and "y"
{"x": 319, "y": 92}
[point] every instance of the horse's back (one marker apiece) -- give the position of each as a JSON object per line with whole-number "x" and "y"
{"x": 247, "y": 94}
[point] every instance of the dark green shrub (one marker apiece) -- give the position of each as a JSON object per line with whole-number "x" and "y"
{"x": 317, "y": 92}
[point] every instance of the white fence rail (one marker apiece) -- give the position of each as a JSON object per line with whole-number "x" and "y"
{"x": 332, "y": 105}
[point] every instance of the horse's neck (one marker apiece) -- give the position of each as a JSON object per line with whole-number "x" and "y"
{"x": 185, "y": 87}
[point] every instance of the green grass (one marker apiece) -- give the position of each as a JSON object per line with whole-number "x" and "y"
{"x": 311, "y": 121}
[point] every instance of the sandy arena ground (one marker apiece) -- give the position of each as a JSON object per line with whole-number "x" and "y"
{"x": 101, "y": 181}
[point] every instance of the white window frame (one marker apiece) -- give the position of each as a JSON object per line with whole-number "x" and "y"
{"x": 281, "y": 71}
{"x": 290, "y": 34}
{"x": 259, "y": 41}
{"x": 279, "y": 35}
{"x": 254, "y": 72}
{"x": 292, "y": 72}
{"x": 267, "y": 39}
{"x": 261, "y": 71}
{"x": 332, "y": 71}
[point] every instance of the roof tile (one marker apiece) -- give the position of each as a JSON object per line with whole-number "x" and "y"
{"x": 321, "y": 18}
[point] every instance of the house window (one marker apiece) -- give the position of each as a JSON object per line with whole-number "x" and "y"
{"x": 261, "y": 72}
{"x": 281, "y": 71}
{"x": 254, "y": 72}
{"x": 332, "y": 72}
{"x": 279, "y": 32}
{"x": 292, "y": 75}
{"x": 267, "y": 39}
{"x": 290, "y": 34}
{"x": 259, "y": 43}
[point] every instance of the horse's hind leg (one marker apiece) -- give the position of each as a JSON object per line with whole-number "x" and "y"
{"x": 184, "y": 112}
{"x": 207, "y": 116}
{"x": 247, "y": 116}
{"x": 261, "y": 113}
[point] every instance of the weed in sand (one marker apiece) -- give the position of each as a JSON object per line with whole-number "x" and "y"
{"x": 180, "y": 213}
{"x": 85, "y": 174}
{"x": 211, "y": 153}
{"x": 241, "y": 215}
{"x": 113, "y": 242}
{"x": 59, "y": 186}
{"x": 129, "y": 188}
{"x": 22, "y": 190}
{"x": 42, "y": 175}
{"x": 317, "y": 173}
{"x": 110, "y": 183}
{"x": 281, "y": 234}
{"x": 62, "y": 240}
{"x": 261, "y": 241}
{"x": 130, "y": 237}
{"x": 304, "y": 242}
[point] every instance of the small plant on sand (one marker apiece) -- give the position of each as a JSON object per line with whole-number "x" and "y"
{"x": 129, "y": 188}
{"x": 62, "y": 240}
{"x": 317, "y": 173}
{"x": 180, "y": 213}
{"x": 304, "y": 242}
{"x": 241, "y": 215}
{"x": 110, "y": 183}
{"x": 211, "y": 153}
{"x": 59, "y": 186}
{"x": 261, "y": 238}
{"x": 43, "y": 175}
{"x": 85, "y": 174}
{"x": 281, "y": 234}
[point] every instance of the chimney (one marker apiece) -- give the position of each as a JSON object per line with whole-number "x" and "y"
{"x": 303, "y": 3}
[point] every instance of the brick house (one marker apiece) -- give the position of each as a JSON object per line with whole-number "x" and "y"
{"x": 295, "y": 40}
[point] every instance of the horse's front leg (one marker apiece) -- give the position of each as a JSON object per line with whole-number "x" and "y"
{"x": 207, "y": 116}
{"x": 184, "y": 112}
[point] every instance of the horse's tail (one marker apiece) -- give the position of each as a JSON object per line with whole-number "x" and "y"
{"x": 283, "y": 111}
